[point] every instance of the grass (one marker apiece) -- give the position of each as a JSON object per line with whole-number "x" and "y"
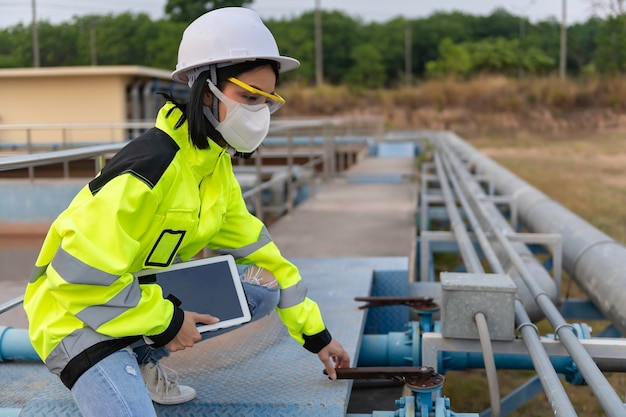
{"x": 587, "y": 174}
{"x": 481, "y": 94}
{"x": 485, "y": 105}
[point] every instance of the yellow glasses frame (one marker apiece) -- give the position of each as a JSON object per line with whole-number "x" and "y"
{"x": 276, "y": 99}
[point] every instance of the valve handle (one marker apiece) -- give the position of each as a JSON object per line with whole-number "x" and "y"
{"x": 419, "y": 376}
{"x": 418, "y": 303}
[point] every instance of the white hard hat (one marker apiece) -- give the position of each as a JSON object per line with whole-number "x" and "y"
{"x": 227, "y": 36}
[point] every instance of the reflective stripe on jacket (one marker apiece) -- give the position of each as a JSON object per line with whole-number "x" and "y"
{"x": 158, "y": 198}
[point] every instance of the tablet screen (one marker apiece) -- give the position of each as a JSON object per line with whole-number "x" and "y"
{"x": 210, "y": 285}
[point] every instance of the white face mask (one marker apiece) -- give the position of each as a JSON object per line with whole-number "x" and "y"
{"x": 245, "y": 126}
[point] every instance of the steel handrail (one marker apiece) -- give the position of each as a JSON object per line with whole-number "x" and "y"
{"x": 11, "y": 304}
{"x": 607, "y": 397}
{"x": 47, "y": 158}
{"x": 277, "y": 124}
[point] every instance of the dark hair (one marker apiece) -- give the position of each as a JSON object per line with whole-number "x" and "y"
{"x": 200, "y": 129}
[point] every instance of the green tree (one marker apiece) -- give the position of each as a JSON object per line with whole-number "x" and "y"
{"x": 341, "y": 34}
{"x": 295, "y": 39}
{"x": 427, "y": 33}
{"x": 492, "y": 42}
{"x": 188, "y": 10}
{"x": 581, "y": 44}
{"x": 58, "y": 44}
{"x": 500, "y": 23}
{"x": 367, "y": 70}
{"x": 535, "y": 61}
{"x": 16, "y": 47}
{"x": 454, "y": 60}
{"x": 546, "y": 36}
{"x": 388, "y": 39}
{"x": 611, "y": 41}
{"x": 495, "y": 55}
{"x": 124, "y": 39}
{"x": 162, "y": 49}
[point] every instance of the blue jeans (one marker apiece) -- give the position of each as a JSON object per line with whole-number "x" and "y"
{"x": 114, "y": 386}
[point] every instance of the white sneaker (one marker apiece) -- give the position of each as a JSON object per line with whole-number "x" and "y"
{"x": 162, "y": 384}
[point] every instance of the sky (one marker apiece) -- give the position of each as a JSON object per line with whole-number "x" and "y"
{"x": 13, "y": 12}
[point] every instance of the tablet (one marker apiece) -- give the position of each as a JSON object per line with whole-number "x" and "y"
{"x": 208, "y": 285}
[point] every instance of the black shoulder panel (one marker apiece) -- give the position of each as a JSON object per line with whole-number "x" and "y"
{"x": 146, "y": 157}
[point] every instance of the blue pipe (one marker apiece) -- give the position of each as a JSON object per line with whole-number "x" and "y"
{"x": 459, "y": 361}
{"x": 397, "y": 349}
{"x": 15, "y": 345}
{"x": 393, "y": 349}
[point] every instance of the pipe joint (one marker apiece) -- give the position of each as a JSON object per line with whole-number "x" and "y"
{"x": 528, "y": 324}
{"x": 560, "y": 326}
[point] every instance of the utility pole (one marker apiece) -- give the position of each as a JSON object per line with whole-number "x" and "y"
{"x": 408, "y": 65}
{"x": 522, "y": 32}
{"x": 319, "y": 55}
{"x": 562, "y": 63}
{"x": 520, "y": 69}
{"x": 36, "y": 61}
{"x": 92, "y": 43}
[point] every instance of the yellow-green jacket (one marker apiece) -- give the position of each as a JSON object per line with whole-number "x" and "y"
{"x": 159, "y": 197}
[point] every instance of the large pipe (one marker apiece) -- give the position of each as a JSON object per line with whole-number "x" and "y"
{"x": 541, "y": 277}
{"x": 549, "y": 380}
{"x": 608, "y": 399}
{"x": 15, "y": 345}
{"x": 593, "y": 259}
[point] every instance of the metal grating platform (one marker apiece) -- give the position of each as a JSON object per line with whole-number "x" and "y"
{"x": 257, "y": 370}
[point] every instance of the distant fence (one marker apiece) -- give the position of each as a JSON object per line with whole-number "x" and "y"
{"x": 34, "y": 137}
{"x": 307, "y": 149}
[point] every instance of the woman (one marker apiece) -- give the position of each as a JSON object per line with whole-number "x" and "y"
{"x": 167, "y": 195}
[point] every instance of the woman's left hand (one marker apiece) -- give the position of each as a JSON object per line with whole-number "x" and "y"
{"x": 334, "y": 353}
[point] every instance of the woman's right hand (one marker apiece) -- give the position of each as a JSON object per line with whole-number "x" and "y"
{"x": 188, "y": 333}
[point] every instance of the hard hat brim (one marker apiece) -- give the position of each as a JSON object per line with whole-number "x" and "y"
{"x": 285, "y": 64}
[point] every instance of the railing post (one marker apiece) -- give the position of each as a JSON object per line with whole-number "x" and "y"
{"x": 258, "y": 202}
{"x": 99, "y": 163}
{"x": 327, "y": 153}
{"x": 313, "y": 164}
{"x": 333, "y": 154}
{"x": 341, "y": 162}
{"x": 29, "y": 141}
{"x": 66, "y": 169}
{"x": 290, "y": 174}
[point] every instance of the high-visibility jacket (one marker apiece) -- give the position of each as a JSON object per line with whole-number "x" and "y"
{"x": 158, "y": 198}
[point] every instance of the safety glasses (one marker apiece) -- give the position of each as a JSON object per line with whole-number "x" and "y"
{"x": 275, "y": 101}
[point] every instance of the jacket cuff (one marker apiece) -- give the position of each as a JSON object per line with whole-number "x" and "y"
{"x": 172, "y": 330}
{"x": 318, "y": 341}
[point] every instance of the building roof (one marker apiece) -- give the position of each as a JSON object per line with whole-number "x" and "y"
{"x": 92, "y": 70}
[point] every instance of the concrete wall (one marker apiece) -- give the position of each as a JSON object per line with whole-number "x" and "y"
{"x": 70, "y": 95}
{"x": 84, "y": 99}
{"x": 38, "y": 202}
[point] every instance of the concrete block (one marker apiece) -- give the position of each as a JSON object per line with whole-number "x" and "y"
{"x": 465, "y": 294}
